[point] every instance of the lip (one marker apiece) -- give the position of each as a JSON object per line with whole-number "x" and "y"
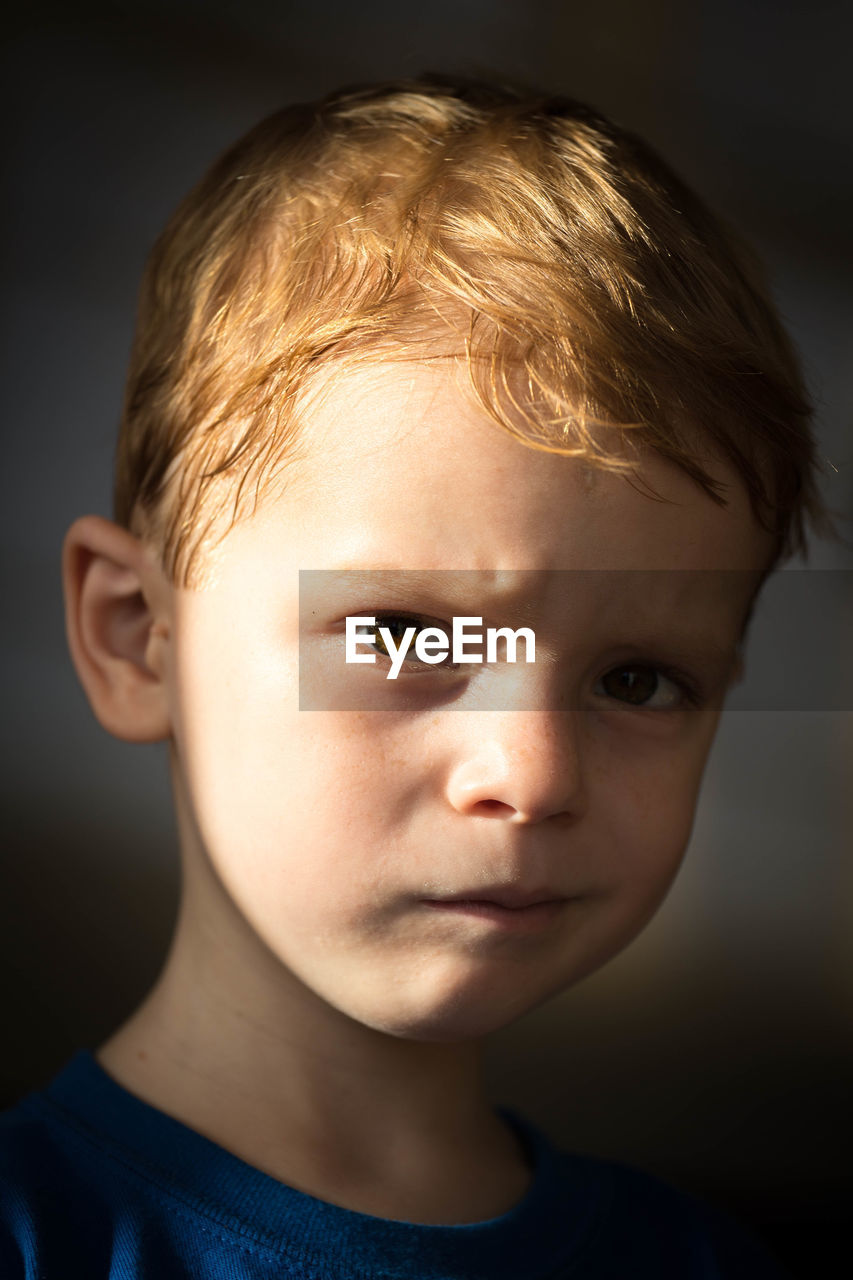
{"x": 506, "y": 895}
{"x": 528, "y": 914}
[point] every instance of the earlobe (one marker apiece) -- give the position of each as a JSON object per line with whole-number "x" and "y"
{"x": 118, "y": 628}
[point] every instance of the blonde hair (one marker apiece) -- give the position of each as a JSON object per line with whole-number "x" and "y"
{"x": 596, "y": 300}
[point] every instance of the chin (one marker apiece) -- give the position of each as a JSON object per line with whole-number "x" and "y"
{"x": 458, "y": 1027}
{"x": 453, "y": 1017}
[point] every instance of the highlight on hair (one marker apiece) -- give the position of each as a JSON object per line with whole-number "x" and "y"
{"x": 599, "y": 305}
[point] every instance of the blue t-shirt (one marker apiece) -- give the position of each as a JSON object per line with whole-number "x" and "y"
{"x": 95, "y": 1183}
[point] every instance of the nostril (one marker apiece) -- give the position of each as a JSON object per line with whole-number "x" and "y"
{"x": 494, "y": 808}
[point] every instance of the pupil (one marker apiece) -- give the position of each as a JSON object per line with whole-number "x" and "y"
{"x": 638, "y": 683}
{"x": 397, "y": 627}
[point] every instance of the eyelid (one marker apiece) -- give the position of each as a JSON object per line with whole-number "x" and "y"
{"x": 382, "y": 615}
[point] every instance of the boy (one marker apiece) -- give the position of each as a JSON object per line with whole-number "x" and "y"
{"x": 467, "y": 352}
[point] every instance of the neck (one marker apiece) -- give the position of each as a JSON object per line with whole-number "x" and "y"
{"x": 233, "y": 1045}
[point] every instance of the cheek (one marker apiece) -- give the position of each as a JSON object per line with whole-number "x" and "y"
{"x": 641, "y": 830}
{"x": 292, "y": 807}
{"x": 654, "y": 814}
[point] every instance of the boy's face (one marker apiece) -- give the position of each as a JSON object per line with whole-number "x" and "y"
{"x": 339, "y": 836}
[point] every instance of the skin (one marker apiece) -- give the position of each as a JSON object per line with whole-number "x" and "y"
{"x": 315, "y": 1015}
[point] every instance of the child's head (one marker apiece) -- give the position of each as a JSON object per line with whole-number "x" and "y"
{"x": 312, "y": 324}
{"x": 593, "y": 297}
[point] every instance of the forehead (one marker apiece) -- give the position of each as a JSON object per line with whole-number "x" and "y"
{"x": 403, "y": 468}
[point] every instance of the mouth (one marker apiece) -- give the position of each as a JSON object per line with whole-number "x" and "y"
{"x": 507, "y": 896}
{"x": 508, "y": 908}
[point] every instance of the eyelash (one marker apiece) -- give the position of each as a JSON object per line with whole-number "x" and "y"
{"x": 692, "y": 693}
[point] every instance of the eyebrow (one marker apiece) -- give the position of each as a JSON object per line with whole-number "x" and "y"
{"x": 436, "y": 580}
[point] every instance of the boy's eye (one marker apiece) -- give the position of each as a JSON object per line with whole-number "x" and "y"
{"x": 649, "y": 687}
{"x": 397, "y": 624}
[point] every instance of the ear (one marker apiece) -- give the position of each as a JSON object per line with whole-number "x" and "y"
{"x": 118, "y": 622}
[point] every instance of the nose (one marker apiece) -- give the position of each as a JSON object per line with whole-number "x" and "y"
{"x": 520, "y": 766}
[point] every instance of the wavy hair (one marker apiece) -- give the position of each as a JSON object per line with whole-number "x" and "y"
{"x": 599, "y": 305}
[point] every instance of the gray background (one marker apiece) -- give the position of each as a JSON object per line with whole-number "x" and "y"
{"x": 717, "y": 1050}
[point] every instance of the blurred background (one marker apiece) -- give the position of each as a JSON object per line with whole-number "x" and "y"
{"x": 717, "y": 1050}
